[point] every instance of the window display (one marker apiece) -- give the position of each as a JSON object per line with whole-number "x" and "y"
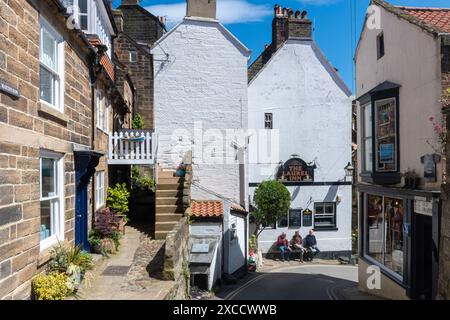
{"x": 386, "y": 135}
{"x": 384, "y": 227}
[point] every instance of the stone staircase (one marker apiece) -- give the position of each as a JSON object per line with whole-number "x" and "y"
{"x": 169, "y": 203}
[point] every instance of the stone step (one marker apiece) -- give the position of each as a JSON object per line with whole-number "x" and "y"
{"x": 161, "y": 235}
{"x": 169, "y": 200}
{"x": 166, "y": 174}
{"x": 165, "y": 226}
{"x": 162, "y": 208}
{"x": 171, "y": 186}
{"x": 168, "y": 193}
{"x": 168, "y": 217}
{"x": 170, "y": 180}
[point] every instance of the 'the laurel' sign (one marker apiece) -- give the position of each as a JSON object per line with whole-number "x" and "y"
{"x": 8, "y": 89}
{"x": 296, "y": 170}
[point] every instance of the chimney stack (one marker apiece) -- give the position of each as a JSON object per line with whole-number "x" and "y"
{"x": 131, "y": 2}
{"x": 287, "y": 24}
{"x": 201, "y": 8}
{"x": 118, "y": 19}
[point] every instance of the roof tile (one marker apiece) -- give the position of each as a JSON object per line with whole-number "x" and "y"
{"x": 436, "y": 18}
{"x": 207, "y": 209}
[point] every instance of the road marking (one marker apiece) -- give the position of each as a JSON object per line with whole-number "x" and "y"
{"x": 245, "y": 286}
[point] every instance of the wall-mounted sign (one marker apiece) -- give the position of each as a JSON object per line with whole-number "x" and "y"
{"x": 296, "y": 170}
{"x": 429, "y": 162}
{"x": 423, "y": 206}
{"x": 307, "y": 218}
{"x": 9, "y": 90}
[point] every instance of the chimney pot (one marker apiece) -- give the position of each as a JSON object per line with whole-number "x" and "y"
{"x": 290, "y": 13}
{"x": 285, "y": 12}
{"x": 131, "y": 2}
{"x": 304, "y": 15}
{"x": 297, "y": 14}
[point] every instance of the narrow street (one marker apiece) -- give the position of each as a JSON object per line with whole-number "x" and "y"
{"x": 299, "y": 282}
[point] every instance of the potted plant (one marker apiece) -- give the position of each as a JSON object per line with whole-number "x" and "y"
{"x": 95, "y": 242}
{"x": 181, "y": 171}
{"x": 107, "y": 227}
{"x": 117, "y": 201}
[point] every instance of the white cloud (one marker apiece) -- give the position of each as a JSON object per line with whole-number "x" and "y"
{"x": 229, "y": 11}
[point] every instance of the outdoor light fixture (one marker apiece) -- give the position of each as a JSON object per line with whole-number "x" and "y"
{"x": 349, "y": 170}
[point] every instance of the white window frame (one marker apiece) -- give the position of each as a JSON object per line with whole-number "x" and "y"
{"x": 99, "y": 189}
{"x": 133, "y": 56}
{"x": 325, "y": 215}
{"x": 99, "y": 105}
{"x": 367, "y": 154}
{"x": 59, "y": 72}
{"x": 107, "y": 110}
{"x": 88, "y": 14}
{"x": 57, "y": 218}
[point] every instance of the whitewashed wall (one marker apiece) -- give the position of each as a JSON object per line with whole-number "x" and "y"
{"x": 312, "y": 110}
{"x": 203, "y": 78}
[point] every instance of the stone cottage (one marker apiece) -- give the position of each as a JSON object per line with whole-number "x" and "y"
{"x": 46, "y": 122}
{"x": 297, "y": 97}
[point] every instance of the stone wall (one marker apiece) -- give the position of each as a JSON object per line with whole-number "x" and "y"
{"x": 176, "y": 260}
{"x": 26, "y": 127}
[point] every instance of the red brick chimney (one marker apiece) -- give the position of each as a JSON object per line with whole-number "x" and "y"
{"x": 287, "y": 24}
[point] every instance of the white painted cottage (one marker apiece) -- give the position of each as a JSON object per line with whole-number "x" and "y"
{"x": 200, "y": 99}
{"x": 294, "y": 92}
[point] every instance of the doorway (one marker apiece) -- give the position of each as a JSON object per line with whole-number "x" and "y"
{"x": 422, "y": 258}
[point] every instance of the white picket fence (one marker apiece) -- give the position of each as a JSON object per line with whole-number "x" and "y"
{"x": 132, "y": 147}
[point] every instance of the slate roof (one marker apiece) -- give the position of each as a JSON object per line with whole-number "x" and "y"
{"x": 207, "y": 209}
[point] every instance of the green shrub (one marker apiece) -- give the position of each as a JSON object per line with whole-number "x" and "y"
{"x": 142, "y": 181}
{"x": 138, "y": 122}
{"x": 118, "y": 198}
{"x": 62, "y": 257}
{"x": 53, "y": 286}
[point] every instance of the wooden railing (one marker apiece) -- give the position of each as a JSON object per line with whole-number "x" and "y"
{"x": 132, "y": 147}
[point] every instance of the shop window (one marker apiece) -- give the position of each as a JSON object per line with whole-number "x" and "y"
{"x": 51, "y": 199}
{"x": 325, "y": 215}
{"x": 268, "y": 121}
{"x": 386, "y": 135}
{"x": 384, "y": 228}
{"x": 367, "y": 139}
{"x": 51, "y": 74}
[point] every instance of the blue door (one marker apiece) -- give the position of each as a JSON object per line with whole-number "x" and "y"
{"x": 85, "y": 164}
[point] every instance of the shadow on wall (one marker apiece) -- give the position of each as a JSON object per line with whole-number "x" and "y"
{"x": 331, "y": 194}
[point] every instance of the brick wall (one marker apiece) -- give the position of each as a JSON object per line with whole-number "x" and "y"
{"x": 26, "y": 127}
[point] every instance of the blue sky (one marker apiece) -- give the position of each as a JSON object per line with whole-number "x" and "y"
{"x": 251, "y": 22}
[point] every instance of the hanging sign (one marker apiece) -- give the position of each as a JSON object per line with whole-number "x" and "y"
{"x": 422, "y": 206}
{"x": 296, "y": 170}
{"x": 9, "y": 90}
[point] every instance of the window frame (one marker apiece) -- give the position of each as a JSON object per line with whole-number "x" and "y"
{"x": 268, "y": 123}
{"x": 99, "y": 98}
{"x": 364, "y": 138}
{"x": 375, "y": 142}
{"x": 381, "y": 49}
{"x": 59, "y": 224}
{"x": 58, "y": 74}
{"x": 133, "y": 52}
{"x": 100, "y": 199}
{"x": 288, "y": 215}
{"x": 88, "y": 14}
{"x": 107, "y": 111}
{"x": 323, "y": 204}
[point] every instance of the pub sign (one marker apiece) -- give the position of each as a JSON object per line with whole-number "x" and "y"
{"x": 296, "y": 170}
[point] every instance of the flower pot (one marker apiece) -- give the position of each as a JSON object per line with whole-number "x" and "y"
{"x": 122, "y": 223}
{"x": 96, "y": 248}
{"x": 180, "y": 173}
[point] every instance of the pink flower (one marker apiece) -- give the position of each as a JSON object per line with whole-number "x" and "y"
{"x": 438, "y": 127}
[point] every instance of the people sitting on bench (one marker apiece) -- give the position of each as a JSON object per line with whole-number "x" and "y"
{"x": 311, "y": 244}
{"x": 283, "y": 245}
{"x": 297, "y": 245}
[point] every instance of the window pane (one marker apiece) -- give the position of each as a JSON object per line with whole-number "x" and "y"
{"x": 368, "y": 154}
{"x": 386, "y": 135}
{"x": 48, "y": 54}
{"x": 393, "y": 258}
{"x": 46, "y": 219}
{"x": 47, "y": 86}
{"x": 48, "y": 184}
{"x": 324, "y": 222}
{"x": 375, "y": 227}
{"x": 329, "y": 208}
{"x": 319, "y": 209}
{"x": 295, "y": 218}
{"x": 82, "y": 4}
{"x": 367, "y": 121}
{"x": 84, "y": 22}
{"x": 283, "y": 222}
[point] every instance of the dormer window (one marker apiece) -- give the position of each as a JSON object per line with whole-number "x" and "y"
{"x": 380, "y": 45}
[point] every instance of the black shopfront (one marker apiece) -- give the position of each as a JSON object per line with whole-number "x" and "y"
{"x": 398, "y": 222}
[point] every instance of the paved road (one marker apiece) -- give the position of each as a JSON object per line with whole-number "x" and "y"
{"x": 309, "y": 282}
